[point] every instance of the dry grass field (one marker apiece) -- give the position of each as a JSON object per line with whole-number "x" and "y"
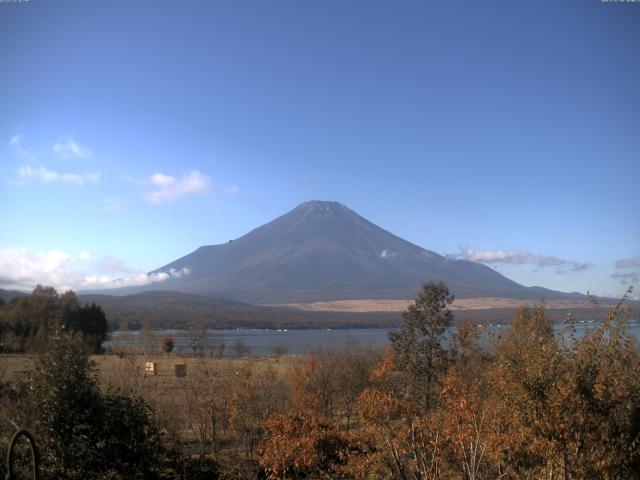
{"x": 14, "y": 367}
{"x": 368, "y": 305}
{"x": 218, "y": 409}
{"x": 117, "y": 370}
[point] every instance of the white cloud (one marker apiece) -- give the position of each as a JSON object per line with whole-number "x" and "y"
{"x": 387, "y": 254}
{"x": 491, "y": 256}
{"x": 84, "y": 255}
{"x": 130, "y": 180}
{"x": 162, "y": 180}
{"x": 231, "y": 190}
{"x": 113, "y": 265}
{"x": 112, "y": 204}
{"x": 515, "y": 257}
{"x": 135, "y": 280}
{"x": 23, "y": 269}
{"x": 49, "y": 176}
{"x": 169, "y": 189}
{"x": 16, "y": 144}
{"x": 16, "y": 141}
{"x": 70, "y": 148}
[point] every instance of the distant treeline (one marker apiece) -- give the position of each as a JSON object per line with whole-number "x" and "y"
{"x": 28, "y": 321}
{"x": 175, "y": 310}
{"x": 159, "y": 309}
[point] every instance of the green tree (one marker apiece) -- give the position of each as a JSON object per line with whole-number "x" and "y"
{"x": 90, "y": 322}
{"x": 131, "y": 444}
{"x": 64, "y": 405}
{"x": 84, "y": 433}
{"x": 28, "y": 321}
{"x": 419, "y": 341}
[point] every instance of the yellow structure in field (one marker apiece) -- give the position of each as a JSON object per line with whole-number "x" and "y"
{"x": 150, "y": 368}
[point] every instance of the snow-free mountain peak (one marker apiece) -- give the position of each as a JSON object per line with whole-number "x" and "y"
{"x": 325, "y": 251}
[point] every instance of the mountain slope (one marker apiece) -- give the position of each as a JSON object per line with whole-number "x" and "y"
{"x": 325, "y": 251}
{"x": 8, "y": 295}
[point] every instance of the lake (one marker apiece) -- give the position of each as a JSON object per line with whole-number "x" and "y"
{"x": 293, "y": 341}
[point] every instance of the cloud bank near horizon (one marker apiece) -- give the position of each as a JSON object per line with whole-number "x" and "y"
{"x": 22, "y": 269}
{"x": 630, "y": 274}
{"x": 516, "y": 257}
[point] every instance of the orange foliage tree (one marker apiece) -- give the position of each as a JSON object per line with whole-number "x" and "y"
{"x": 301, "y": 446}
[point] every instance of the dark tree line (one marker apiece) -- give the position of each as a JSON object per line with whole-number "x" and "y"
{"x": 26, "y": 322}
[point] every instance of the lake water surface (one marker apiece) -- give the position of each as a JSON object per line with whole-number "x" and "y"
{"x": 293, "y": 341}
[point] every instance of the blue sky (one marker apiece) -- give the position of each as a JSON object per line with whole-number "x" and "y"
{"x": 506, "y": 132}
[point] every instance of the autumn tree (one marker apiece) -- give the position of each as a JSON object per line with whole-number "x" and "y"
{"x": 256, "y": 395}
{"x": 352, "y": 367}
{"x": 217, "y": 346}
{"x": 167, "y": 344}
{"x": 313, "y": 384}
{"x": 205, "y": 402}
{"x": 241, "y": 349}
{"x": 418, "y": 342}
{"x": 196, "y": 336}
{"x": 302, "y": 446}
{"x": 471, "y": 424}
{"x": 148, "y": 341}
{"x": 395, "y": 441}
{"x": 573, "y": 404}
